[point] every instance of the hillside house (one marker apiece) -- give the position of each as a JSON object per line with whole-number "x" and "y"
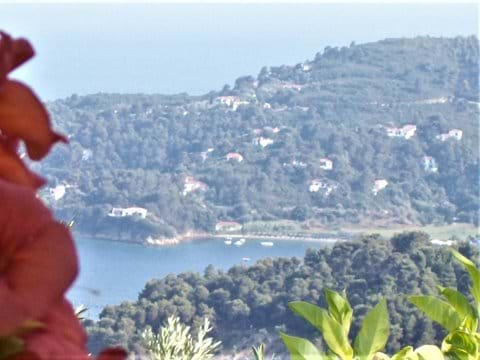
{"x": 58, "y": 192}
{"x": 130, "y": 211}
{"x": 86, "y": 154}
{"x": 429, "y": 164}
{"x": 191, "y": 184}
{"x": 306, "y": 67}
{"x": 326, "y": 164}
{"x": 231, "y": 101}
{"x": 267, "y": 106}
{"x": 291, "y": 86}
{"x": 228, "y": 226}
{"x": 262, "y": 141}
{"x": 379, "y": 185}
{"x": 454, "y": 134}
{"x": 407, "y": 131}
{"x": 324, "y": 187}
{"x": 442, "y": 242}
{"x": 234, "y": 156}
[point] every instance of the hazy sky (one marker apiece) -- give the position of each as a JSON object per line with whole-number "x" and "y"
{"x": 158, "y": 48}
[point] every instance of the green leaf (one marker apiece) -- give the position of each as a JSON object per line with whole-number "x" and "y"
{"x": 373, "y": 334}
{"x": 429, "y": 352}
{"x": 332, "y": 331}
{"x": 461, "y": 345}
{"x": 437, "y": 310}
{"x": 301, "y": 349}
{"x": 405, "y": 353}
{"x": 474, "y": 276}
{"x": 10, "y": 346}
{"x": 310, "y": 312}
{"x": 460, "y": 303}
{"x": 340, "y": 309}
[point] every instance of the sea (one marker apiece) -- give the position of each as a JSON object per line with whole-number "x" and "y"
{"x": 112, "y": 272}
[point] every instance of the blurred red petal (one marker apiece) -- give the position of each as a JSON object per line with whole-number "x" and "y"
{"x": 13, "y": 53}
{"x": 38, "y": 261}
{"x": 115, "y": 353}
{"x": 14, "y": 170}
{"x": 22, "y": 115}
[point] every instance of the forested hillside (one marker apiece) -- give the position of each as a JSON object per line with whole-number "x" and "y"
{"x": 248, "y": 305}
{"x": 353, "y": 136}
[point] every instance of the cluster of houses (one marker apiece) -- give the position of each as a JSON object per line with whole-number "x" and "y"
{"x": 324, "y": 187}
{"x": 130, "y": 211}
{"x": 406, "y": 131}
{"x": 452, "y": 134}
{"x": 191, "y": 184}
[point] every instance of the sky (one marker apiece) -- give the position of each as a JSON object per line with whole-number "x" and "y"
{"x": 195, "y": 48}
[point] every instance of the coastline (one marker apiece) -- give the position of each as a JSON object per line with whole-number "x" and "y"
{"x": 192, "y": 236}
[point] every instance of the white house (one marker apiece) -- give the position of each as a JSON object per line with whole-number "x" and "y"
{"x": 58, "y": 192}
{"x": 262, "y": 141}
{"x": 192, "y": 184}
{"x": 291, "y": 86}
{"x": 326, "y": 164}
{"x": 306, "y": 67}
{"x": 231, "y": 101}
{"x": 130, "y": 211}
{"x": 407, "y": 131}
{"x": 86, "y": 154}
{"x": 234, "y": 156}
{"x": 442, "y": 242}
{"x": 317, "y": 185}
{"x": 429, "y": 164}
{"x": 454, "y": 133}
{"x": 379, "y": 185}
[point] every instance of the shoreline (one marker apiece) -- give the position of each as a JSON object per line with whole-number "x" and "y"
{"x": 188, "y": 237}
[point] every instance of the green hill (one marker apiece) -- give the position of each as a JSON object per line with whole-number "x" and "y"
{"x": 312, "y": 138}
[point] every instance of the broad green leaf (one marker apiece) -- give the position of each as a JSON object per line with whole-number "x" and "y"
{"x": 301, "y": 349}
{"x": 340, "y": 309}
{"x": 405, "y": 353}
{"x": 331, "y": 330}
{"x": 10, "y": 346}
{"x": 437, "y": 310}
{"x": 310, "y": 312}
{"x": 474, "y": 276}
{"x": 462, "y": 345}
{"x": 464, "y": 309}
{"x": 373, "y": 334}
{"x": 381, "y": 356}
{"x": 430, "y": 352}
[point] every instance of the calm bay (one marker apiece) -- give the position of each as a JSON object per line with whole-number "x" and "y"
{"x": 112, "y": 272}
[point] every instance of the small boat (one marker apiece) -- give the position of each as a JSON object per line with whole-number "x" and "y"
{"x": 242, "y": 240}
{"x": 238, "y": 243}
{"x": 228, "y": 242}
{"x": 246, "y": 259}
{"x": 266, "y": 243}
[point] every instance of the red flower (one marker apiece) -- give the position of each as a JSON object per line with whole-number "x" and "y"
{"x": 13, "y": 53}
{"x": 38, "y": 263}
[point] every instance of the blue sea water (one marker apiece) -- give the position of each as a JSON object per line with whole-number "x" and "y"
{"x": 112, "y": 272}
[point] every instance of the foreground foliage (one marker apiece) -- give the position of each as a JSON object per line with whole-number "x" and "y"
{"x": 255, "y": 298}
{"x": 455, "y": 314}
{"x": 175, "y": 341}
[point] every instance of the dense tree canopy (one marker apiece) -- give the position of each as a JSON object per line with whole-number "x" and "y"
{"x": 137, "y": 150}
{"x": 249, "y": 304}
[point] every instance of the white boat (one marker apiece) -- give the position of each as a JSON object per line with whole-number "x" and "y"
{"x": 266, "y": 243}
{"x": 238, "y": 243}
{"x": 228, "y": 242}
{"x": 246, "y": 259}
{"x": 242, "y": 240}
